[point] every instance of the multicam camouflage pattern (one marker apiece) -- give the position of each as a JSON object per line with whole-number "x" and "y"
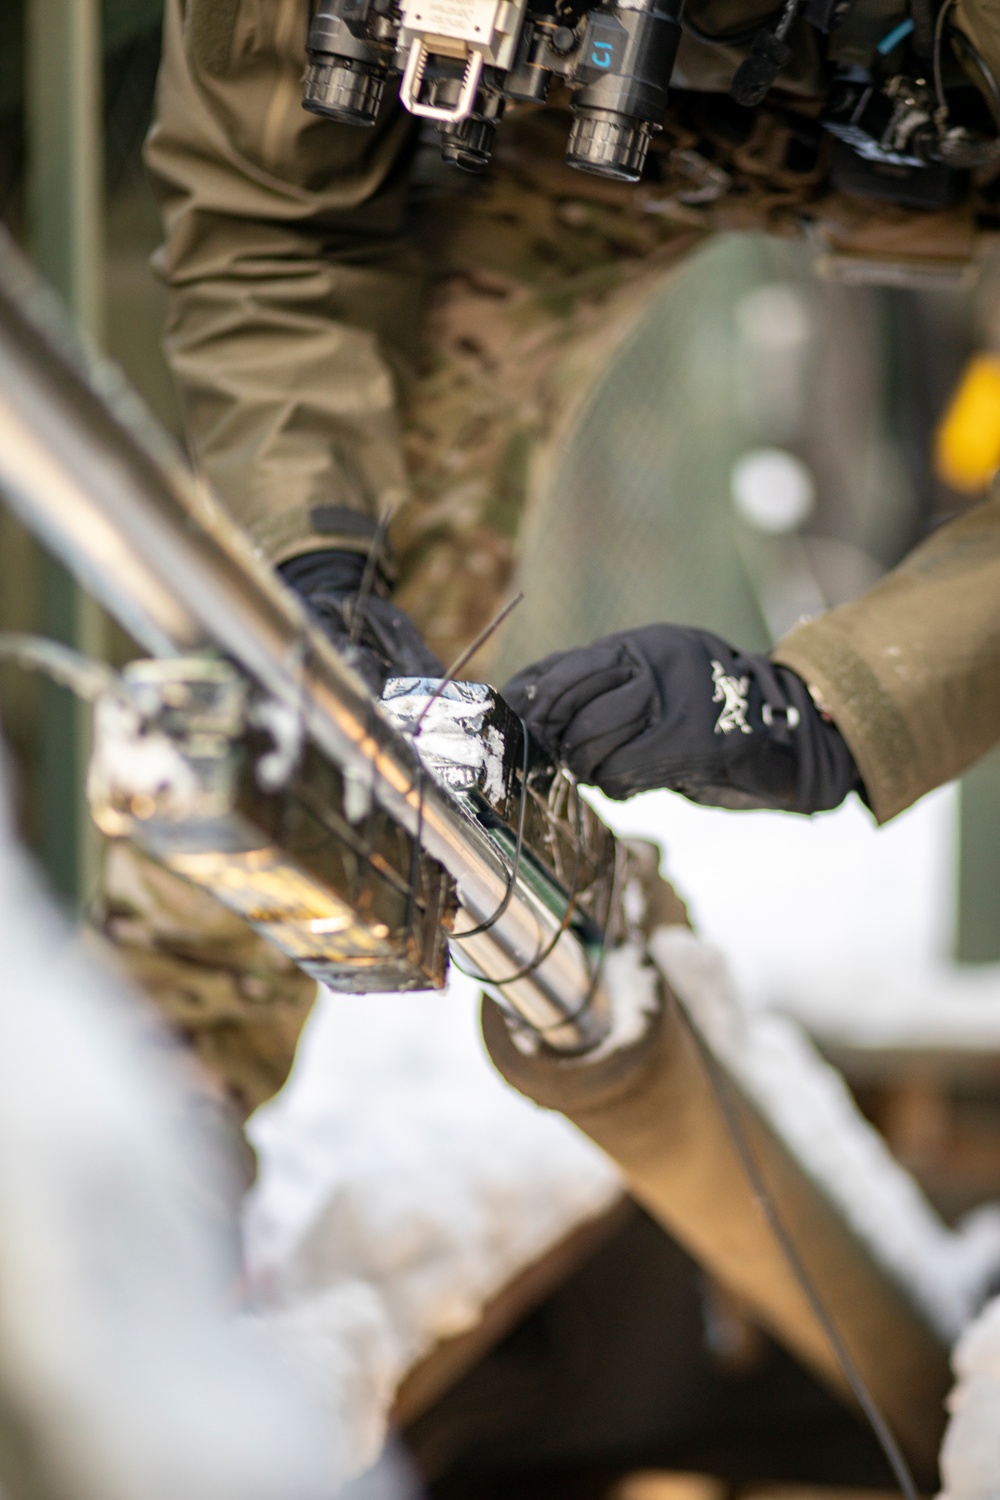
{"x": 543, "y": 279}
{"x": 238, "y": 1003}
{"x": 347, "y": 333}
{"x": 544, "y": 273}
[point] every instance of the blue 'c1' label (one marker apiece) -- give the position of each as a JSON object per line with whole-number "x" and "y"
{"x": 606, "y": 39}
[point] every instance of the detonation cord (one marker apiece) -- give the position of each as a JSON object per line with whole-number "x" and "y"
{"x": 722, "y": 1089}
{"x": 551, "y": 946}
{"x": 598, "y": 973}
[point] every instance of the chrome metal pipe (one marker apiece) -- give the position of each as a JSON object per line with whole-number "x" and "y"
{"x": 88, "y": 469}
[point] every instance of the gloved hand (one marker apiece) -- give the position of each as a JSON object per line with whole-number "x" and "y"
{"x": 667, "y": 706}
{"x": 388, "y": 644}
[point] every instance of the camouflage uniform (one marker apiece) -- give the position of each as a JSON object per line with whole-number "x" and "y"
{"x": 235, "y": 1001}
{"x": 346, "y": 333}
{"x": 350, "y": 333}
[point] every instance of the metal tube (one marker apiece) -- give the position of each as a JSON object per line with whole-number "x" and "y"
{"x": 88, "y": 469}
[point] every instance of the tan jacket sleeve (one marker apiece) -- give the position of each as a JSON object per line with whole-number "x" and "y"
{"x": 294, "y": 294}
{"x": 910, "y": 672}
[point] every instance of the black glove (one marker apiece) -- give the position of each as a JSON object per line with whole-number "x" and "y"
{"x": 388, "y": 643}
{"x": 665, "y": 706}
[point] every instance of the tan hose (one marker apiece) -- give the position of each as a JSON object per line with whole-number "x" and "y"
{"x": 653, "y": 1109}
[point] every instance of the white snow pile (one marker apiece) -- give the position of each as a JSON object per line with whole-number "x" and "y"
{"x": 402, "y": 1185}
{"x": 633, "y": 987}
{"x": 792, "y": 901}
{"x": 947, "y": 1271}
{"x": 970, "y": 1456}
{"x": 122, "y": 1371}
{"x": 941, "y": 1007}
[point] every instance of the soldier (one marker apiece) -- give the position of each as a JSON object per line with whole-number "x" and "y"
{"x": 357, "y": 332}
{"x": 353, "y": 333}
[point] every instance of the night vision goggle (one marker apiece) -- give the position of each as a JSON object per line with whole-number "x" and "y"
{"x": 461, "y": 60}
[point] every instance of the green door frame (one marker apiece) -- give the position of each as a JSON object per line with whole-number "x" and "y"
{"x": 65, "y": 207}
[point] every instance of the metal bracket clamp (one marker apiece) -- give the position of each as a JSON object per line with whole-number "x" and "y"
{"x": 413, "y": 74}
{"x": 180, "y": 748}
{"x": 476, "y": 33}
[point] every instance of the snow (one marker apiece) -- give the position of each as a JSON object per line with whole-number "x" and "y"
{"x": 970, "y": 1456}
{"x": 633, "y": 990}
{"x": 943, "y": 1007}
{"x": 823, "y": 905}
{"x": 128, "y": 1375}
{"x": 948, "y": 1272}
{"x": 131, "y": 761}
{"x": 402, "y": 1185}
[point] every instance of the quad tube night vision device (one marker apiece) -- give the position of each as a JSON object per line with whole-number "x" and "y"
{"x": 460, "y": 61}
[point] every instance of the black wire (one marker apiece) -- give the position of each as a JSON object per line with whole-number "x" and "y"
{"x": 368, "y": 577}
{"x": 341, "y": 829}
{"x": 598, "y": 973}
{"x": 720, "y": 1085}
{"x": 938, "y": 82}
{"x": 466, "y": 655}
{"x": 518, "y": 845}
{"x": 449, "y": 676}
{"x": 411, "y": 903}
{"x": 540, "y": 958}
{"x": 788, "y": 13}
{"x": 515, "y": 866}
